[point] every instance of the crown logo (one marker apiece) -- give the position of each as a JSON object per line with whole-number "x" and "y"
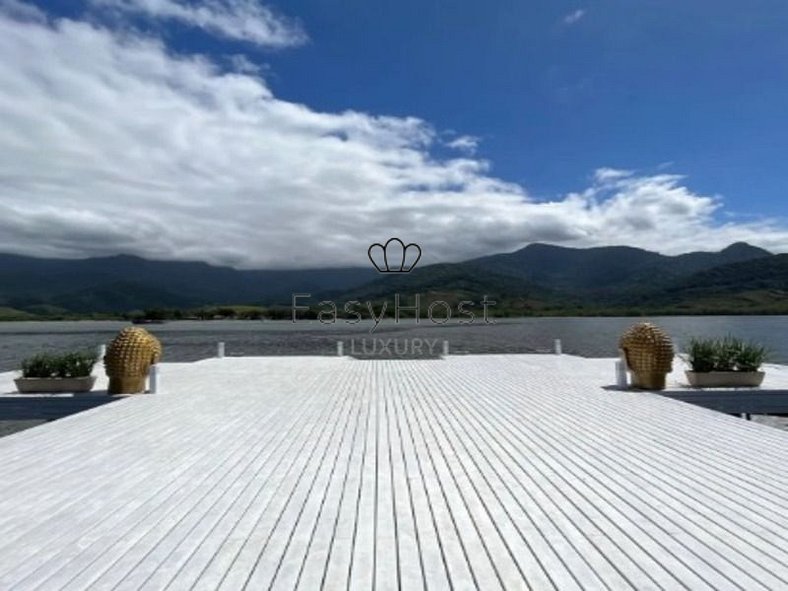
{"x": 394, "y": 256}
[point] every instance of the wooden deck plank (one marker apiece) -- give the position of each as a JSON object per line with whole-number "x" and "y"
{"x": 199, "y": 518}
{"x": 126, "y": 533}
{"x": 432, "y": 562}
{"x": 207, "y": 567}
{"x": 498, "y": 566}
{"x": 407, "y": 552}
{"x": 574, "y": 526}
{"x": 363, "y": 555}
{"x": 278, "y": 566}
{"x": 453, "y": 550}
{"x": 738, "y": 575}
{"x": 507, "y": 472}
{"x": 504, "y": 501}
{"x": 386, "y": 572}
{"x": 338, "y": 566}
{"x": 54, "y": 552}
{"x": 468, "y": 518}
{"x": 274, "y": 523}
{"x": 318, "y": 547}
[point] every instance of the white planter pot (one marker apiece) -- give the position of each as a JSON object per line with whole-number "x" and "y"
{"x": 725, "y": 379}
{"x": 54, "y": 385}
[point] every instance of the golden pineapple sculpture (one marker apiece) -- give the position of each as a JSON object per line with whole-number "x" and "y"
{"x": 129, "y": 358}
{"x": 649, "y": 354}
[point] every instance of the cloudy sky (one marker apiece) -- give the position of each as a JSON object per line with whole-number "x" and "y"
{"x": 296, "y": 134}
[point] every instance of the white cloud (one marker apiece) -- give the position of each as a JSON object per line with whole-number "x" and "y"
{"x": 22, "y": 11}
{"x": 604, "y": 175}
{"x": 464, "y": 143}
{"x": 241, "y": 64}
{"x": 111, "y": 144}
{"x": 246, "y": 20}
{"x": 574, "y": 16}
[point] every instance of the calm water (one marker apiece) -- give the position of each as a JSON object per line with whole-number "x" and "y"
{"x": 192, "y": 340}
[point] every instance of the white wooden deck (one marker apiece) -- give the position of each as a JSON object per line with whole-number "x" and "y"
{"x": 478, "y": 472}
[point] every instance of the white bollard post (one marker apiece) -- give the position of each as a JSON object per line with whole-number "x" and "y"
{"x": 557, "y": 346}
{"x": 154, "y": 383}
{"x": 220, "y": 350}
{"x": 621, "y": 374}
{"x": 445, "y": 348}
{"x": 340, "y": 349}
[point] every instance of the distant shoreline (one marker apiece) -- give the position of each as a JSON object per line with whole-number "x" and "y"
{"x": 504, "y": 315}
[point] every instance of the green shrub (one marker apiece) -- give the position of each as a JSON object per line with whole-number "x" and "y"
{"x": 42, "y": 365}
{"x": 701, "y": 355}
{"x": 751, "y": 356}
{"x": 725, "y": 354}
{"x": 67, "y": 365}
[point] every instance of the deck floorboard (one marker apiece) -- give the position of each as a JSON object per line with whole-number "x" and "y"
{"x": 472, "y": 472}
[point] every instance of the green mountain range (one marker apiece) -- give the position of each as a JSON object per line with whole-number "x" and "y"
{"x": 538, "y": 279}
{"x": 545, "y": 279}
{"x": 122, "y": 283}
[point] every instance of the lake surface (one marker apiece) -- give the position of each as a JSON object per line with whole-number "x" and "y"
{"x": 193, "y": 340}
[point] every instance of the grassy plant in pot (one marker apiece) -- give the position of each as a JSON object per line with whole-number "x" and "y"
{"x": 726, "y": 362}
{"x": 54, "y": 373}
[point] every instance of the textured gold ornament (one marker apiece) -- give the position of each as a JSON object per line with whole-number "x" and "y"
{"x": 129, "y": 358}
{"x": 649, "y": 353}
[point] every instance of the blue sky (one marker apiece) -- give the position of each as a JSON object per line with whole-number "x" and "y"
{"x": 702, "y": 85}
{"x": 573, "y": 123}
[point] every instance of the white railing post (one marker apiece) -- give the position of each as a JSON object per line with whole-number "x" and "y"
{"x": 220, "y": 350}
{"x": 621, "y": 374}
{"x": 154, "y": 382}
{"x": 445, "y": 348}
{"x": 340, "y": 349}
{"x": 557, "y": 347}
{"x": 622, "y": 367}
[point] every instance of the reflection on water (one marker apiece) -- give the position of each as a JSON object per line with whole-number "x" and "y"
{"x": 192, "y": 340}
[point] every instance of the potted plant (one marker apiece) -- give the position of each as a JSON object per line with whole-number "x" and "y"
{"x": 49, "y": 372}
{"x": 725, "y": 362}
